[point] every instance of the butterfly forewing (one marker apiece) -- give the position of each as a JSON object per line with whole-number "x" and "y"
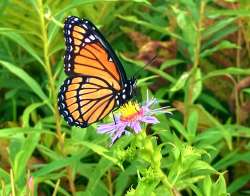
{"x": 85, "y": 53}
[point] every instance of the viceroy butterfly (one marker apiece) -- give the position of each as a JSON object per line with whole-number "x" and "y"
{"x": 97, "y": 82}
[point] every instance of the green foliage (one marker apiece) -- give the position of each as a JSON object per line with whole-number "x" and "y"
{"x": 201, "y": 68}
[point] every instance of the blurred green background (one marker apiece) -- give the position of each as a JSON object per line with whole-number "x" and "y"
{"x": 202, "y": 69}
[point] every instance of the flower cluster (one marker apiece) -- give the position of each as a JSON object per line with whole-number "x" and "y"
{"x": 130, "y": 117}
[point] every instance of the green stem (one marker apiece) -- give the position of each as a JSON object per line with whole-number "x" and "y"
{"x": 48, "y": 68}
{"x": 189, "y": 95}
{"x": 56, "y": 188}
{"x": 110, "y": 184}
{"x": 198, "y": 37}
{"x": 71, "y": 180}
{"x": 12, "y": 179}
{"x": 238, "y": 63}
{"x": 153, "y": 153}
{"x": 52, "y": 87}
{"x": 166, "y": 183}
{"x": 3, "y": 188}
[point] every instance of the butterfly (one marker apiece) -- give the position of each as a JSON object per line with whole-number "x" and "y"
{"x": 97, "y": 83}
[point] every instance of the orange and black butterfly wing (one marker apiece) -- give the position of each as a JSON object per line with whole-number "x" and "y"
{"x": 96, "y": 76}
{"x": 88, "y": 53}
{"x": 85, "y": 100}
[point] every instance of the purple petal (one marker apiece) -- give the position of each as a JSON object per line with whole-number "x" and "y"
{"x": 145, "y": 109}
{"x": 136, "y": 126}
{"x": 117, "y": 134}
{"x": 151, "y": 102}
{"x": 149, "y": 119}
{"x": 115, "y": 137}
{"x": 106, "y": 128}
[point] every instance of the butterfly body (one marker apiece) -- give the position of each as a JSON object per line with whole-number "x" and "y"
{"x": 97, "y": 82}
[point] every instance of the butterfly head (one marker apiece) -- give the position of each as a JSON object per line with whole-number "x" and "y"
{"x": 126, "y": 93}
{"x": 132, "y": 87}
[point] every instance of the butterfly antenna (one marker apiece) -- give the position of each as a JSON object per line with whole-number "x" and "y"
{"x": 150, "y": 62}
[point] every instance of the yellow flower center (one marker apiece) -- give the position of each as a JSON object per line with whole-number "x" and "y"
{"x": 130, "y": 111}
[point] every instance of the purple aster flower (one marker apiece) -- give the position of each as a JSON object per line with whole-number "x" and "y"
{"x": 132, "y": 115}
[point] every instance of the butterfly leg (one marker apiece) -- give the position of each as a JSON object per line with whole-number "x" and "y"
{"x": 114, "y": 117}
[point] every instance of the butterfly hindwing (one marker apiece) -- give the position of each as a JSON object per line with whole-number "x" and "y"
{"x": 84, "y": 100}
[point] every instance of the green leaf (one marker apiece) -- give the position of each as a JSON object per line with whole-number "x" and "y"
{"x": 54, "y": 28}
{"x": 9, "y": 132}
{"x": 4, "y": 176}
{"x": 218, "y": 26}
{"x": 28, "y": 111}
{"x": 160, "y": 29}
{"x": 142, "y": 81}
{"x": 24, "y": 155}
{"x": 20, "y": 40}
{"x": 220, "y": 188}
{"x": 192, "y": 124}
{"x": 215, "y": 13}
{"x": 222, "y": 45}
{"x": 179, "y": 84}
{"x": 246, "y": 90}
{"x": 60, "y": 189}
{"x": 122, "y": 179}
{"x": 35, "y": 87}
{"x": 79, "y": 3}
{"x": 224, "y": 131}
{"x": 238, "y": 183}
{"x": 193, "y": 86}
{"x": 99, "y": 150}
{"x": 180, "y": 128}
{"x": 212, "y": 101}
{"x": 151, "y": 68}
{"x": 196, "y": 84}
{"x": 196, "y": 190}
{"x": 53, "y": 155}
{"x": 170, "y": 63}
{"x": 55, "y": 165}
{"x": 188, "y": 31}
{"x": 230, "y": 70}
{"x": 232, "y": 158}
{"x": 218, "y": 36}
{"x": 239, "y": 130}
{"x": 100, "y": 169}
{"x": 187, "y": 25}
{"x": 142, "y": 1}
{"x": 201, "y": 165}
{"x": 207, "y": 186}
{"x": 78, "y": 134}
{"x": 208, "y": 137}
